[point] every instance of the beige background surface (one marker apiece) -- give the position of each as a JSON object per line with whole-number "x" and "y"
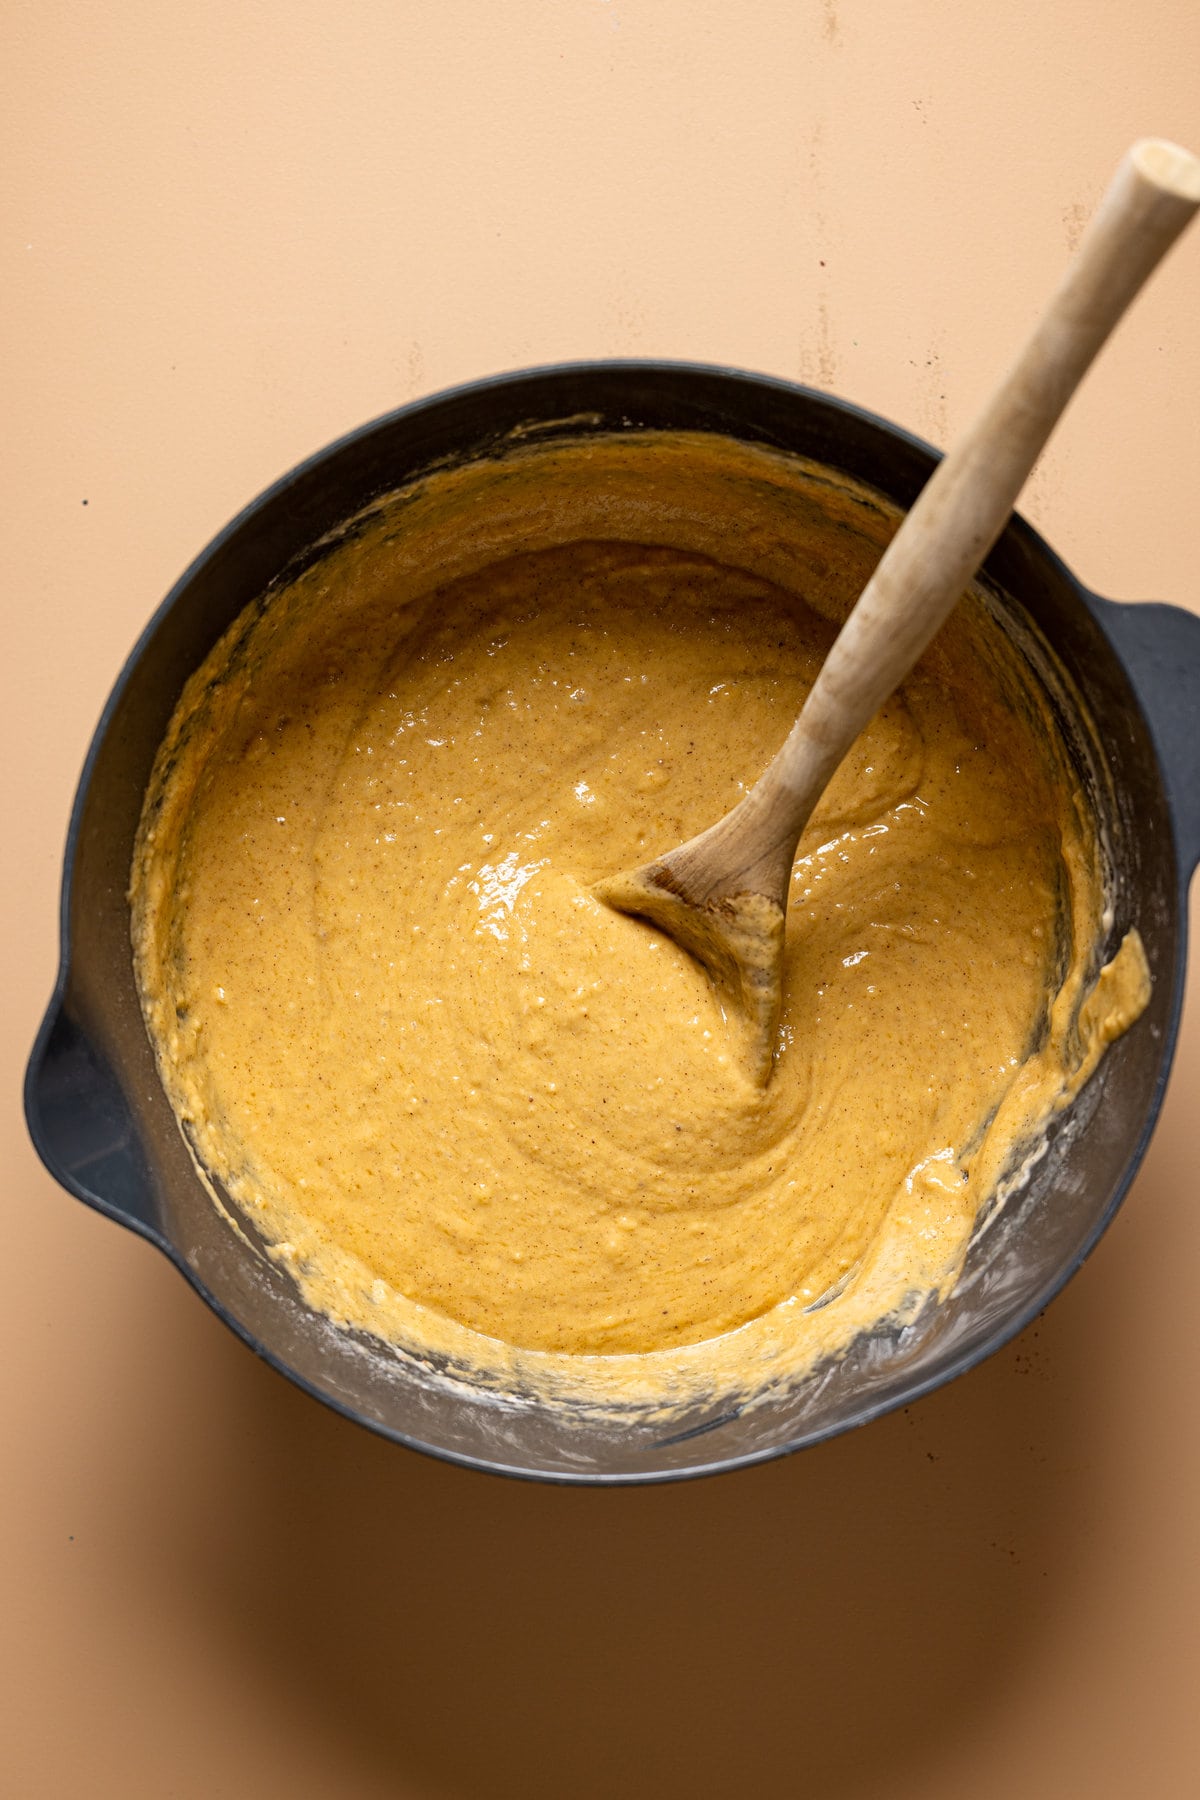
{"x": 232, "y": 231}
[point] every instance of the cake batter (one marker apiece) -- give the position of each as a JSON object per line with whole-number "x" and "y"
{"x": 481, "y": 1114}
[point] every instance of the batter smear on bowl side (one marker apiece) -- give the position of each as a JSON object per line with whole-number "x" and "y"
{"x": 482, "y": 1116}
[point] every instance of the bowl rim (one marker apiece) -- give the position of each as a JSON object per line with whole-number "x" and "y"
{"x": 1009, "y": 1327}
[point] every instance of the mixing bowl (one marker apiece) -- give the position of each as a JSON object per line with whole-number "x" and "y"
{"x": 1125, "y": 682}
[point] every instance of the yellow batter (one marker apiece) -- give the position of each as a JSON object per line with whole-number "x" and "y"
{"x": 481, "y": 1114}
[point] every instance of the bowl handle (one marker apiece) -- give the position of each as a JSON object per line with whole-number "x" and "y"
{"x": 1160, "y": 647}
{"x": 82, "y": 1128}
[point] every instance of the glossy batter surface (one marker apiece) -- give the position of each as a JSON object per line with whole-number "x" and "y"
{"x": 478, "y": 1111}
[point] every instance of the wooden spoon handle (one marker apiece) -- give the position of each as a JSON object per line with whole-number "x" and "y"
{"x": 963, "y": 507}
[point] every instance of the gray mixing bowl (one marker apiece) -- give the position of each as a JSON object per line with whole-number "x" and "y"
{"x": 101, "y": 1121}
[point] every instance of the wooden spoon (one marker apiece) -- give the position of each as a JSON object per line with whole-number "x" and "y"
{"x": 723, "y": 895}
